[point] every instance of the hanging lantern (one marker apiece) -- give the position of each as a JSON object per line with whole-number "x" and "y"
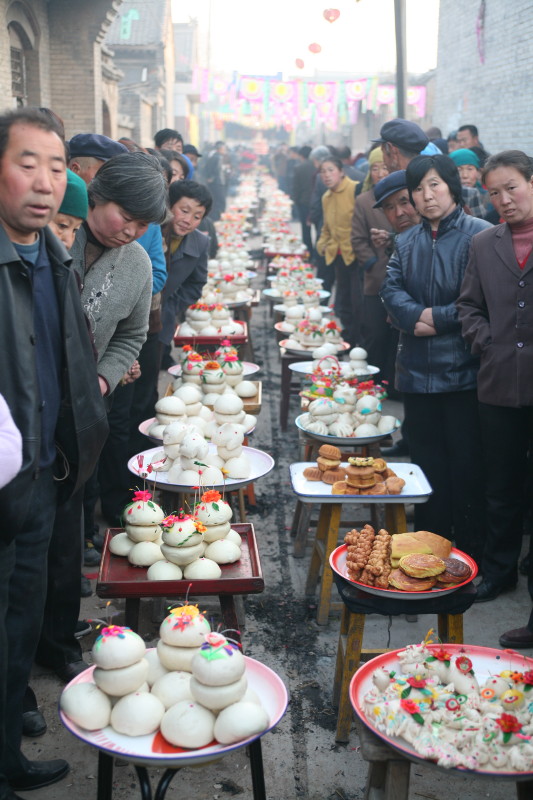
{"x": 299, "y": 63}
{"x": 314, "y": 48}
{"x": 331, "y": 14}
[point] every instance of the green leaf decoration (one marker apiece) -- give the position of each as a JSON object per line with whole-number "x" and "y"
{"x": 150, "y": 504}
{"x": 506, "y": 737}
{"x": 418, "y": 718}
{"x": 215, "y": 506}
{"x": 406, "y": 692}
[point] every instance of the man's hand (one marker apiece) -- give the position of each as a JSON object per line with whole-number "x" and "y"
{"x": 379, "y": 237}
{"x": 132, "y": 374}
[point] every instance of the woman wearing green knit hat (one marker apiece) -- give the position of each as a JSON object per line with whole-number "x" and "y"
{"x": 73, "y": 210}
{"x": 469, "y": 166}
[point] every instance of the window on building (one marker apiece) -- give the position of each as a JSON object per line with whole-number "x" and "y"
{"x": 18, "y": 81}
{"x": 18, "y": 69}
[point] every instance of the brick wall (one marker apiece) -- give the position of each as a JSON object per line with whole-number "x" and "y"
{"x": 496, "y": 95}
{"x": 63, "y": 58}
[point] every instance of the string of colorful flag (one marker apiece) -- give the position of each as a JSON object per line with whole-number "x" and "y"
{"x": 266, "y": 101}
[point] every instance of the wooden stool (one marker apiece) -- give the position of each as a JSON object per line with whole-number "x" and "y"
{"x": 350, "y": 652}
{"x": 118, "y": 578}
{"x": 288, "y": 387}
{"x": 388, "y": 770}
{"x": 326, "y": 540}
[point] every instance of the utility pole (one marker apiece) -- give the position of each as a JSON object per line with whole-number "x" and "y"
{"x": 401, "y": 68}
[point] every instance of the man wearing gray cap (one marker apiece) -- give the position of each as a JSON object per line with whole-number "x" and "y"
{"x": 401, "y": 140}
{"x": 88, "y": 151}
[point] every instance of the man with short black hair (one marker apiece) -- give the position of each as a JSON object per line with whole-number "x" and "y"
{"x": 192, "y": 153}
{"x": 168, "y": 139}
{"x": 187, "y": 252}
{"x": 48, "y": 378}
{"x": 468, "y": 136}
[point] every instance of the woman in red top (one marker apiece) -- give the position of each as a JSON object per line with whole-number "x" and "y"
{"x": 496, "y": 312}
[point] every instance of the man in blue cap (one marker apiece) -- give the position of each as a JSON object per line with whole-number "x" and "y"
{"x": 393, "y": 197}
{"x": 88, "y": 151}
{"x": 401, "y": 140}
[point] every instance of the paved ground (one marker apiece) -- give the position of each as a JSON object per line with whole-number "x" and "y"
{"x": 301, "y": 757}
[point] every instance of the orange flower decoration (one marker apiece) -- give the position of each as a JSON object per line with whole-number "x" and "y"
{"x": 212, "y": 365}
{"x": 186, "y": 348}
{"x": 212, "y": 496}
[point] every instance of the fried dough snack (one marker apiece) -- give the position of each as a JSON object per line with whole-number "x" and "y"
{"x": 378, "y": 567}
{"x": 359, "y": 549}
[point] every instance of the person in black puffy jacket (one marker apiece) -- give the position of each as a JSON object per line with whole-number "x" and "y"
{"x": 434, "y": 367}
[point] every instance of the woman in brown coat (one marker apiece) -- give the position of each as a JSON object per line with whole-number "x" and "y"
{"x": 496, "y": 312}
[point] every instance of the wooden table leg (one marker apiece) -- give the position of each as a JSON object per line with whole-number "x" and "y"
{"x": 326, "y": 584}
{"x": 316, "y": 556}
{"x": 300, "y": 526}
{"x": 242, "y": 506}
{"x": 285, "y": 394}
{"x": 450, "y": 628}
{"x": 352, "y": 658}
{"x": 395, "y": 521}
{"x": 339, "y": 663}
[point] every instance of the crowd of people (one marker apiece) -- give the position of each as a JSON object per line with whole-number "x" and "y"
{"x": 427, "y": 245}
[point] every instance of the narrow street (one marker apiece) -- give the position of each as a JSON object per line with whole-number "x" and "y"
{"x": 301, "y": 757}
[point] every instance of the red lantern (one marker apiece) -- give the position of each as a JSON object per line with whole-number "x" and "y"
{"x": 314, "y": 48}
{"x": 331, "y": 14}
{"x": 299, "y": 63}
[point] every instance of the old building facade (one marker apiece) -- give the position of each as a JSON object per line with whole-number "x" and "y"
{"x": 484, "y": 72}
{"x": 141, "y": 40}
{"x": 51, "y": 54}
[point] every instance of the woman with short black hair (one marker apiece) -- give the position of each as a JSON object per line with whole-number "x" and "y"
{"x": 495, "y": 309}
{"x": 434, "y": 367}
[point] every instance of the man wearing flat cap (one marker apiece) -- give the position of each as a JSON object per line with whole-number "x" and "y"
{"x": 401, "y": 140}
{"x": 88, "y": 151}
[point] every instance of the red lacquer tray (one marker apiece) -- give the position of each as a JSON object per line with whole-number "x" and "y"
{"x": 118, "y": 578}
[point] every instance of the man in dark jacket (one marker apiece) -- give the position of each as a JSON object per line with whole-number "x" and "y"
{"x": 302, "y": 189}
{"x": 215, "y": 178}
{"x": 187, "y": 251}
{"x": 48, "y": 378}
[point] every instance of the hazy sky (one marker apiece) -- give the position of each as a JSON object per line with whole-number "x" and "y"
{"x": 267, "y": 36}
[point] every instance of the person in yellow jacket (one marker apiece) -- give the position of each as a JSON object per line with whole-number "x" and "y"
{"x": 338, "y": 204}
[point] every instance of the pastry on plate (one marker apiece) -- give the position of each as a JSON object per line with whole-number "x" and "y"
{"x": 456, "y": 572}
{"x": 406, "y": 583}
{"x": 422, "y": 565}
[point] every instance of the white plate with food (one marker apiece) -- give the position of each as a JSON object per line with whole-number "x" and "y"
{"x": 302, "y": 368}
{"x": 145, "y": 426}
{"x": 342, "y": 347}
{"x": 247, "y": 369}
{"x": 261, "y": 464}
{"x": 154, "y": 751}
{"x": 416, "y": 489}
{"x": 273, "y": 294}
{"x": 486, "y": 663}
{"x": 337, "y": 562}
{"x": 343, "y": 441}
